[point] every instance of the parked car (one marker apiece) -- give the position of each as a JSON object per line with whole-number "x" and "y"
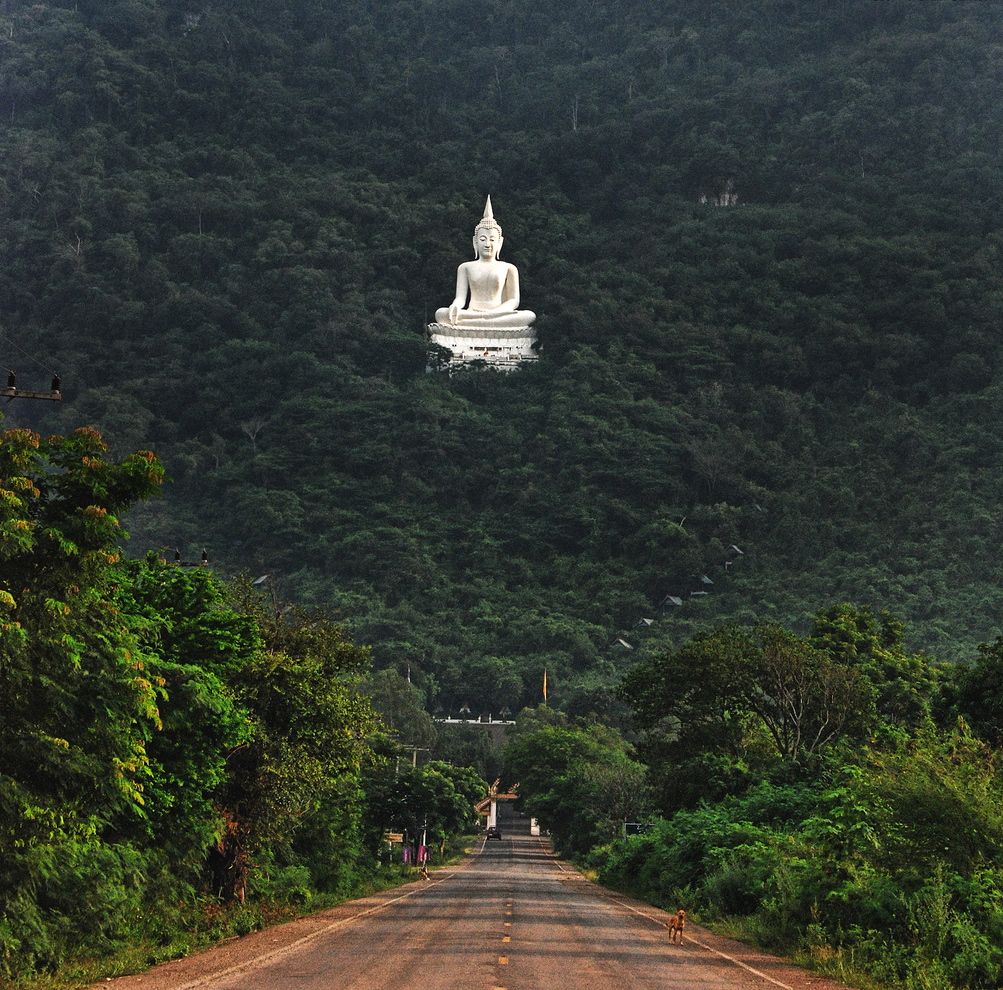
{"x": 493, "y": 832}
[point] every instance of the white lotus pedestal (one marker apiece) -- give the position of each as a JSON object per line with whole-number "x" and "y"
{"x": 500, "y": 347}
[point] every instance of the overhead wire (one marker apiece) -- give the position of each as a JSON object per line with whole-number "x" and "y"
{"x": 31, "y": 357}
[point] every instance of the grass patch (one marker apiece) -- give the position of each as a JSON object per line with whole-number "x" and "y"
{"x": 836, "y": 963}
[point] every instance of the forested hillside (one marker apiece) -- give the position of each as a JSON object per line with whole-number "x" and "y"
{"x": 226, "y": 225}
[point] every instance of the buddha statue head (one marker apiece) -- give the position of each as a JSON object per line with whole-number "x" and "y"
{"x": 488, "y": 235}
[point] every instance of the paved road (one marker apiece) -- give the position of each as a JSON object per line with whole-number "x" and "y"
{"x": 513, "y": 917}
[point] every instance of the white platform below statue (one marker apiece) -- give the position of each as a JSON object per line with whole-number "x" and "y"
{"x": 500, "y": 347}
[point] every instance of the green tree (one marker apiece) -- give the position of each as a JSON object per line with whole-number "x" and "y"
{"x": 976, "y": 692}
{"x": 436, "y": 799}
{"x": 401, "y": 705}
{"x": 310, "y": 733}
{"x": 729, "y": 704}
{"x": 196, "y": 645}
{"x": 905, "y": 684}
{"x": 580, "y": 782}
{"x": 77, "y": 700}
{"x": 804, "y": 701}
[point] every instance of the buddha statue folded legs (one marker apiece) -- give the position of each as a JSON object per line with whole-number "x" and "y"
{"x": 473, "y": 319}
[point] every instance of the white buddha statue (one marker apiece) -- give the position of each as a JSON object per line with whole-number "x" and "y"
{"x": 492, "y": 285}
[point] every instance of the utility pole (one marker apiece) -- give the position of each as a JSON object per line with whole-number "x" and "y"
{"x": 415, "y": 750}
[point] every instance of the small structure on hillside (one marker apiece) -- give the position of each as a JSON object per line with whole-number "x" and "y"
{"x": 496, "y": 728}
{"x": 483, "y": 324}
{"x": 726, "y": 197}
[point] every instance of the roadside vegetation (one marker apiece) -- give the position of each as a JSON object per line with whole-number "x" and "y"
{"x": 831, "y": 796}
{"x": 180, "y": 758}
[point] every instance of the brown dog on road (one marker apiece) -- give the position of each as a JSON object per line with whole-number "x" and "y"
{"x": 676, "y": 925}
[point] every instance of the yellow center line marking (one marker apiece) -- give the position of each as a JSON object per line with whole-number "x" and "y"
{"x": 503, "y": 960}
{"x": 506, "y": 938}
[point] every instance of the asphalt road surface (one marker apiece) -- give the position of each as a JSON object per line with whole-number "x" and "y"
{"x": 512, "y": 917}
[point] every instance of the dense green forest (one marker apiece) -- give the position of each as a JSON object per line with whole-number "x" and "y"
{"x": 226, "y": 225}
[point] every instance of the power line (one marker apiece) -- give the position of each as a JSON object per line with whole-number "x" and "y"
{"x": 31, "y": 357}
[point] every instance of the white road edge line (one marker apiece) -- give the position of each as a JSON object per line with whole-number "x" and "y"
{"x": 738, "y": 962}
{"x": 302, "y": 940}
{"x": 689, "y": 938}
